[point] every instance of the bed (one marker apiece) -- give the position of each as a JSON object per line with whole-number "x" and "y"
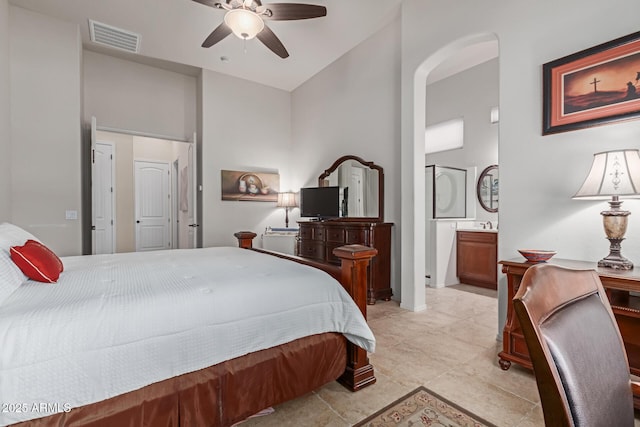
{"x": 183, "y": 337}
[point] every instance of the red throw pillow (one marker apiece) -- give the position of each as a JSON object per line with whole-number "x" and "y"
{"x": 37, "y": 261}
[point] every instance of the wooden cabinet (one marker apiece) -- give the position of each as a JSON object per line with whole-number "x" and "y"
{"x": 318, "y": 239}
{"x": 477, "y": 258}
{"x": 622, "y": 289}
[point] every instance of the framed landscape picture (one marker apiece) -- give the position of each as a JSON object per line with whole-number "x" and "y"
{"x": 592, "y": 87}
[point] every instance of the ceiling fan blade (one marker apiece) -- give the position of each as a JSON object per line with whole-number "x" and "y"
{"x": 216, "y": 35}
{"x": 212, "y": 3}
{"x": 272, "y": 41}
{"x": 291, "y": 11}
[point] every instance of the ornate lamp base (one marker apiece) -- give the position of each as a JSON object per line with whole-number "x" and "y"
{"x": 615, "y": 258}
{"x": 615, "y": 226}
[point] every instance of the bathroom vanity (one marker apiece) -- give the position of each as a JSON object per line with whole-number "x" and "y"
{"x": 477, "y": 257}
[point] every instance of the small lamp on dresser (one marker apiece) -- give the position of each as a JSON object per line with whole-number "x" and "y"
{"x": 614, "y": 174}
{"x": 287, "y": 200}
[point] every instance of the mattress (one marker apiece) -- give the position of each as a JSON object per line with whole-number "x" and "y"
{"x": 116, "y": 323}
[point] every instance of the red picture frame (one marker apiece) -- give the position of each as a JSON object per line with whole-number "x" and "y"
{"x": 592, "y": 87}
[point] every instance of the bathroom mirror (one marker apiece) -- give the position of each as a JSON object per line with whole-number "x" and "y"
{"x": 361, "y": 188}
{"x": 488, "y": 185}
{"x": 446, "y": 192}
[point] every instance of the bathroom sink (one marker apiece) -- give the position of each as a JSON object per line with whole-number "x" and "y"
{"x": 480, "y": 230}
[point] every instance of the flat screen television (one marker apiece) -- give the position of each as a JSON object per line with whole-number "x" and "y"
{"x": 320, "y": 202}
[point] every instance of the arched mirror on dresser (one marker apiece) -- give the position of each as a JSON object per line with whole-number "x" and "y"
{"x": 361, "y": 188}
{"x": 361, "y": 222}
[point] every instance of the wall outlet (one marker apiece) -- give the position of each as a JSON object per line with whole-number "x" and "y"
{"x": 71, "y": 215}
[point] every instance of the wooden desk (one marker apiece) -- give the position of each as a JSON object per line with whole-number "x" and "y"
{"x": 618, "y": 285}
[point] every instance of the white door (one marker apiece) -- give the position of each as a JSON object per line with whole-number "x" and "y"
{"x": 102, "y": 199}
{"x": 153, "y": 206}
{"x": 175, "y": 202}
{"x": 187, "y": 195}
{"x": 193, "y": 200}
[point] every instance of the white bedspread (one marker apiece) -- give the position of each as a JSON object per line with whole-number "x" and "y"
{"x": 116, "y": 323}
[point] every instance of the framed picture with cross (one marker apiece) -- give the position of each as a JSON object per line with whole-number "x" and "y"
{"x": 592, "y": 87}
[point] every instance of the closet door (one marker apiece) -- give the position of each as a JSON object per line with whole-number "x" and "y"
{"x": 102, "y": 208}
{"x": 187, "y": 198}
{"x": 153, "y": 206}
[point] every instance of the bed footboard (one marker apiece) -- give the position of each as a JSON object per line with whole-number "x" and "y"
{"x": 352, "y": 274}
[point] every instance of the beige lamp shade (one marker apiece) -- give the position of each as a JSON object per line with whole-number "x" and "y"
{"x": 287, "y": 200}
{"x": 613, "y": 173}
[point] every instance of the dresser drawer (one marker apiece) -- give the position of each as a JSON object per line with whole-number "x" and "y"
{"x": 330, "y": 257}
{"x": 335, "y": 235}
{"x": 311, "y": 232}
{"x": 319, "y": 233}
{"x": 356, "y": 236}
{"x": 306, "y": 233}
{"x": 312, "y": 249}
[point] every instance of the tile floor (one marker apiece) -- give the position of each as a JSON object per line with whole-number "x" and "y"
{"x": 450, "y": 348}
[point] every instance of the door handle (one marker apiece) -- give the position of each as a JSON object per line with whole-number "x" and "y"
{"x": 138, "y": 222}
{"x": 194, "y": 225}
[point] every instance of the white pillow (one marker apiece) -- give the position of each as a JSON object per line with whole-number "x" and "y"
{"x": 11, "y": 277}
{"x": 12, "y": 235}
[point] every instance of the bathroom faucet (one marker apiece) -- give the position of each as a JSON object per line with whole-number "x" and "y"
{"x": 490, "y": 225}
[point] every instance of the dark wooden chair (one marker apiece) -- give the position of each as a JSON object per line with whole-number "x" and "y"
{"x": 576, "y": 349}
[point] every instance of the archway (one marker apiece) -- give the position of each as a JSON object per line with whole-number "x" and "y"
{"x": 413, "y": 230}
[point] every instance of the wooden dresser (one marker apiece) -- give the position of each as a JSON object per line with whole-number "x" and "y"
{"x": 318, "y": 239}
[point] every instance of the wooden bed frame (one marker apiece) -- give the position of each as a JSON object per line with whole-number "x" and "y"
{"x": 231, "y": 391}
{"x": 352, "y": 274}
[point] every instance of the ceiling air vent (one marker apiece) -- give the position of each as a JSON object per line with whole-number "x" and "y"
{"x": 116, "y": 38}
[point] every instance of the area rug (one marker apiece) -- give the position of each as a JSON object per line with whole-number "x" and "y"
{"x": 422, "y": 407}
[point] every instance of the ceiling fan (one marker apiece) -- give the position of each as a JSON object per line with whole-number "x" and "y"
{"x": 245, "y": 19}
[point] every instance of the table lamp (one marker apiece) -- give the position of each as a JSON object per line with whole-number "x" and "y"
{"x": 613, "y": 174}
{"x": 287, "y": 200}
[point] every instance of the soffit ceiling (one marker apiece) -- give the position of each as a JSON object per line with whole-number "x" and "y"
{"x": 172, "y": 31}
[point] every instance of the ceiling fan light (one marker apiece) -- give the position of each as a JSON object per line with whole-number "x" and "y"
{"x": 244, "y": 23}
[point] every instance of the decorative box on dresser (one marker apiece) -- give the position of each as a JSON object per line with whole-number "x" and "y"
{"x": 318, "y": 239}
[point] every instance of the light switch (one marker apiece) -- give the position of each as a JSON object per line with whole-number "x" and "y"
{"x": 71, "y": 215}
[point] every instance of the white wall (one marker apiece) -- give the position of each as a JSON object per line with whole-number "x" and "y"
{"x": 126, "y": 95}
{"x": 470, "y": 95}
{"x": 45, "y": 72}
{"x": 538, "y": 174}
{"x": 5, "y": 133}
{"x": 246, "y": 127}
{"x": 352, "y": 107}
